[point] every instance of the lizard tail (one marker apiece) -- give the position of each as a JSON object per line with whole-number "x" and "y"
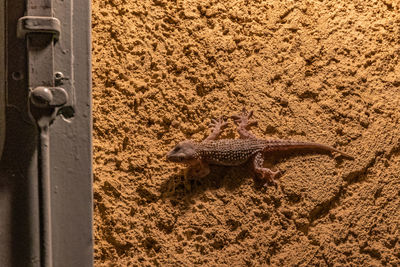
{"x": 289, "y": 145}
{"x": 332, "y": 149}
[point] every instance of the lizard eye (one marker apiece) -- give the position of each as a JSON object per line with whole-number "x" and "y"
{"x": 176, "y": 149}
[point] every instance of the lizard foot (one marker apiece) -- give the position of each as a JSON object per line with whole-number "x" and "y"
{"x": 264, "y": 173}
{"x": 216, "y": 126}
{"x": 268, "y": 176}
{"x": 244, "y": 123}
{"x": 243, "y": 119}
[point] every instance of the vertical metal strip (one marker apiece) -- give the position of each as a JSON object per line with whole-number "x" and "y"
{"x": 39, "y": 8}
{"x": 40, "y": 73}
{"x": 40, "y": 47}
{"x": 71, "y": 160}
{"x": 46, "y": 251}
{"x": 40, "y": 50}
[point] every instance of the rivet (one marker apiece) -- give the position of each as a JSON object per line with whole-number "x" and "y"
{"x": 16, "y": 76}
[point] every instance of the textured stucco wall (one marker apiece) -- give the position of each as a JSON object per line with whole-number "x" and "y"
{"x": 324, "y": 71}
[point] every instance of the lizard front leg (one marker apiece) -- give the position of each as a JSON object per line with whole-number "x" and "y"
{"x": 265, "y": 173}
{"x": 244, "y": 123}
{"x": 197, "y": 170}
{"x": 216, "y": 125}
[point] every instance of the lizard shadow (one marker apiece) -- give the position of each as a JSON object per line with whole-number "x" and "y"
{"x": 228, "y": 177}
{"x": 177, "y": 188}
{"x": 180, "y": 190}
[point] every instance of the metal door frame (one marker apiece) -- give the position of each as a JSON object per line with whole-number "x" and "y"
{"x": 69, "y": 146}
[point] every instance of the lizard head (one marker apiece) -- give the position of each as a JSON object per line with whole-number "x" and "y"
{"x": 184, "y": 152}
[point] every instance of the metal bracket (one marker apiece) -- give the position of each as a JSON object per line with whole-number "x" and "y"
{"x": 36, "y": 24}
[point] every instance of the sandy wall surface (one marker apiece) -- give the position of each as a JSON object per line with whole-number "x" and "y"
{"x": 324, "y": 71}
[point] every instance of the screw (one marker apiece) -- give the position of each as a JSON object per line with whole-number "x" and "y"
{"x": 58, "y": 76}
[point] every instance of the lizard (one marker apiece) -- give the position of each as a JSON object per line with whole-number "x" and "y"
{"x": 234, "y": 152}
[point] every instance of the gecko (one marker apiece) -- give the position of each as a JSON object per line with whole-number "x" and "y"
{"x": 234, "y": 152}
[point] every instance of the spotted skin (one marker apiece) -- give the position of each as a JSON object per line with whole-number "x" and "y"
{"x": 229, "y": 152}
{"x": 234, "y": 152}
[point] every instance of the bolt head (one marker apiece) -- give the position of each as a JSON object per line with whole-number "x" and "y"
{"x": 41, "y": 97}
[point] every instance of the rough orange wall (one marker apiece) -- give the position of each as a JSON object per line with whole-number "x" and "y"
{"x": 325, "y": 71}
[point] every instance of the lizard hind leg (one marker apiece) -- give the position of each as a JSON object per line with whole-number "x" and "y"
{"x": 265, "y": 173}
{"x": 244, "y": 123}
